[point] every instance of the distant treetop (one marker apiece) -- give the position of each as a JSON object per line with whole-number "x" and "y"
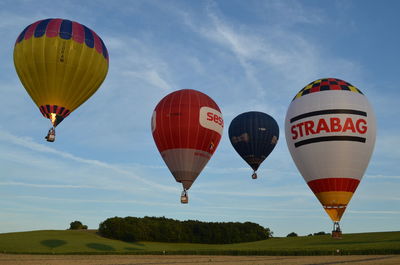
{"x": 76, "y": 225}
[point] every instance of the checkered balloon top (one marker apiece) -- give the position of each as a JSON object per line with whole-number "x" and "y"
{"x": 326, "y": 84}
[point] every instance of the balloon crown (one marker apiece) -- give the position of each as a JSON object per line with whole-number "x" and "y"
{"x": 325, "y": 84}
{"x": 65, "y": 29}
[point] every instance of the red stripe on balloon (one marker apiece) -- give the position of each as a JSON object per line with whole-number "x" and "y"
{"x": 53, "y": 28}
{"x": 29, "y": 32}
{"x": 333, "y": 184}
{"x": 97, "y": 43}
{"x": 47, "y": 109}
{"x": 78, "y": 33}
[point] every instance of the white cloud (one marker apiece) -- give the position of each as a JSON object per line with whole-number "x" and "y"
{"x": 276, "y": 61}
{"x": 11, "y": 21}
{"x": 100, "y": 201}
{"x": 383, "y": 177}
{"x": 374, "y": 212}
{"x": 150, "y": 76}
{"x": 282, "y": 192}
{"x": 137, "y": 59}
{"x": 28, "y": 143}
{"x": 385, "y": 144}
{"x": 51, "y": 186}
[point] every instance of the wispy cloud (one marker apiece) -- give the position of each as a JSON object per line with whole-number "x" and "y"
{"x": 279, "y": 193}
{"x": 373, "y": 212}
{"x": 30, "y": 144}
{"x": 383, "y": 177}
{"x": 150, "y": 76}
{"x": 385, "y": 144}
{"x": 137, "y": 60}
{"x": 73, "y": 200}
{"x": 13, "y": 21}
{"x": 265, "y": 208}
{"x": 51, "y": 186}
{"x": 276, "y": 61}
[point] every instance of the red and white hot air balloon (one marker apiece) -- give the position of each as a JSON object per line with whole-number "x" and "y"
{"x": 330, "y": 132}
{"x": 187, "y": 126}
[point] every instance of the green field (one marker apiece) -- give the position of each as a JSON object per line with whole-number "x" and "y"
{"x": 88, "y": 242}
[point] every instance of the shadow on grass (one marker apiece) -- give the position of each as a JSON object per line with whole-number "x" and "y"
{"x": 137, "y": 244}
{"x": 53, "y": 243}
{"x": 101, "y": 247}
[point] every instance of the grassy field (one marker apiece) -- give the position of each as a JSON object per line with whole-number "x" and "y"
{"x": 23, "y": 259}
{"x": 88, "y": 242}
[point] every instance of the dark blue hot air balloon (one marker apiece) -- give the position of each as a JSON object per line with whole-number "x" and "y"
{"x": 254, "y": 135}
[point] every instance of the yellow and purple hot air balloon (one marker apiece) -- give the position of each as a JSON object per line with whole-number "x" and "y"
{"x": 61, "y": 63}
{"x": 330, "y": 132}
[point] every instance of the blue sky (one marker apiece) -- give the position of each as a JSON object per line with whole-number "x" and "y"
{"x": 246, "y": 55}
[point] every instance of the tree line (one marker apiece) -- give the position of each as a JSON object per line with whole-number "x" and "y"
{"x": 77, "y": 225}
{"x": 161, "y": 229}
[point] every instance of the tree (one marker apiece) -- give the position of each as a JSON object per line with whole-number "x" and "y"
{"x": 75, "y": 225}
{"x": 293, "y": 234}
{"x": 161, "y": 229}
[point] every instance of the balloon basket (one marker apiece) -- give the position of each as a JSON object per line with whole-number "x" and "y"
{"x": 254, "y": 176}
{"x": 337, "y": 234}
{"x": 184, "y": 197}
{"x": 51, "y": 135}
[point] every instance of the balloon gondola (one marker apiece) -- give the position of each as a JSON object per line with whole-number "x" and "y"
{"x": 61, "y": 63}
{"x": 51, "y": 135}
{"x": 254, "y": 135}
{"x": 187, "y": 126}
{"x": 330, "y": 132}
{"x": 184, "y": 196}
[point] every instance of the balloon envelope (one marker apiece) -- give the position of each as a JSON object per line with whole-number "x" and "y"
{"x": 61, "y": 63}
{"x": 254, "y": 135}
{"x": 330, "y": 132}
{"x": 187, "y": 126}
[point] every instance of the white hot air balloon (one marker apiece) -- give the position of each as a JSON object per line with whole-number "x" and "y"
{"x": 330, "y": 132}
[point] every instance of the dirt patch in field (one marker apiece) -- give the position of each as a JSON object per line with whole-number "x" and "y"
{"x": 10, "y": 259}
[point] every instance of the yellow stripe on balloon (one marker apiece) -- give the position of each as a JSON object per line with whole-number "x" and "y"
{"x": 334, "y": 202}
{"x": 335, "y": 213}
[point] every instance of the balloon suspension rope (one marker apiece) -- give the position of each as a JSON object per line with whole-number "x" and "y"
{"x": 336, "y": 227}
